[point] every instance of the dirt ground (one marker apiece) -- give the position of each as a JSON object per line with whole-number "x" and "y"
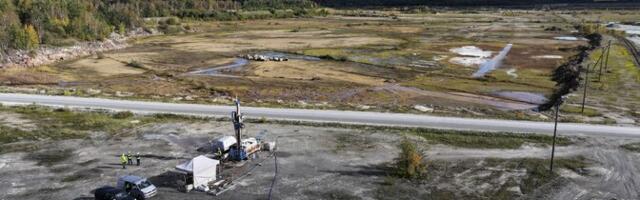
{"x": 321, "y": 163}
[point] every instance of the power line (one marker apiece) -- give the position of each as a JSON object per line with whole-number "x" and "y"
{"x": 586, "y": 82}
{"x": 275, "y": 174}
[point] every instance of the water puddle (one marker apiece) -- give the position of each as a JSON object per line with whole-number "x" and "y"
{"x": 215, "y": 71}
{"x": 547, "y": 57}
{"x": 529, "y": 97}
{"x": 568, "y": 38}
{"x": 493, "y": 63}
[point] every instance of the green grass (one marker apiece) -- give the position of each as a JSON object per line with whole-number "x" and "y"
{"x": 439, "y": 82}
{"x": 486, "y": 140}
{"x": 634, "y": 147}
{"x": 466, "y": 139}
{"x": 60, "y": 123}
{"x": 589, "y": 112}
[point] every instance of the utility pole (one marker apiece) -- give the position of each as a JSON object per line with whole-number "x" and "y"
{"x": 599, "y": 59}
{"x": 606, "y": 64}
{"x": 586, "y": 82}
{"x": 555, "y": 130}
{"x": 606, "y": 50}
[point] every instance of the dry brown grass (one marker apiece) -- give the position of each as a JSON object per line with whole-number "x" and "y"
{"x": 105, "y": 67}
{"x": 308, "y": 70}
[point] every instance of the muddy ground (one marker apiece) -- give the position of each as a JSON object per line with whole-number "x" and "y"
{"x": 323, "y": 163}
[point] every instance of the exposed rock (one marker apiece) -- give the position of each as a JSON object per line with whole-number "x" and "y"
{"x": 190, "y": 97}
{"x": 124, "y": 94}
{"x": 93, "y": 91}
{"x": 422, "y": 108}
{"x": 364, "y": 107}
{"x": 257, "y": 57}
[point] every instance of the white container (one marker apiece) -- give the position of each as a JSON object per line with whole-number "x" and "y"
{"x": 223, "y": 143}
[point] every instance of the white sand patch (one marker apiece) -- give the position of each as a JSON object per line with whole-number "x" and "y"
{"x": 512, "y": 73}
{"x": 568, "y": 38}
{"x": 547, "y": 57}
{"x": 473, "y": 56}
{"x": 471, "y": 51}
{"x": 468, "y": 61}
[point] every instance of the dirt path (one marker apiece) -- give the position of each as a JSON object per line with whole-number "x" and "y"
{"x": 615, "y": 174}
{"x": 526, "y": 151}
{"x": 632, "y": 49}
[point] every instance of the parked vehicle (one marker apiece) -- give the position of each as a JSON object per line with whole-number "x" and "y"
{"x": 111, "y": 193}
{"x": 131, "y": 183}
{"x": 223, "y": 143}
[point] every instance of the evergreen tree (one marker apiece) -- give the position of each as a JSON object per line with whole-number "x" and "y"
{"x": 19, "y": 39}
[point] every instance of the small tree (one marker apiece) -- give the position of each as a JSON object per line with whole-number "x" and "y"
{"x": 409, "y": 162}
{"x": 122, "y": 29}
{"x": 33, "y": 39}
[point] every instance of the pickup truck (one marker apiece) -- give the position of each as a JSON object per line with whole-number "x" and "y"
{"x": 131, "y": 183}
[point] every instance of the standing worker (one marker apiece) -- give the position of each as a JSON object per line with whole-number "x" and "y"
{"x": 138, "y": 159}
{"x": 123, "y": 161}
{"x": 129, "y": 158}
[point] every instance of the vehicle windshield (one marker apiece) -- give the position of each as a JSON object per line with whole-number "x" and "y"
{"x": 144, "y": 184}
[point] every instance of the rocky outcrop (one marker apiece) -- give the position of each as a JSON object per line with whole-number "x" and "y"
{"x": 47, "y": 54}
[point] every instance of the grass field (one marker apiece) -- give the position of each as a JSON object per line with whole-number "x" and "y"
{"x": 387, "y": 62}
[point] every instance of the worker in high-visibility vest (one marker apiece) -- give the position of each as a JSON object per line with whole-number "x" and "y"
{"x": 130, "y": 158}
{"x": 123, "y": 161}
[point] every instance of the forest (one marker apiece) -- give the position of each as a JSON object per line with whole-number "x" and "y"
{"x": 26, "y": 24}
{"x": 456, "y": 3}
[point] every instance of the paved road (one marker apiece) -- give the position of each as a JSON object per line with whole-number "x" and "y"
{"x": 374, "y": 118}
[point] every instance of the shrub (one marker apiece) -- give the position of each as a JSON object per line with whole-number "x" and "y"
{"x": 123, "y": 115}
{"x": 173, "y": 21}
{"x": 409, "y": 162}
{"x": 100, "y": 55}
{"x": 135, "y": 63}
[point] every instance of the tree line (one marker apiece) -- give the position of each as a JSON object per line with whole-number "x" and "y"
{"x": 451, "y": 3}
{"x": 25, "y": 24}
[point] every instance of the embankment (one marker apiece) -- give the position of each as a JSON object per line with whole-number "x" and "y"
{"x": 48, "y": 55}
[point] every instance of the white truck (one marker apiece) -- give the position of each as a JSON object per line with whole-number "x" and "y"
{"x": 129, "y": 183}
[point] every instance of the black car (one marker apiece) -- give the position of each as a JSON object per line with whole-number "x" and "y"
{"x": 111, "y": 193}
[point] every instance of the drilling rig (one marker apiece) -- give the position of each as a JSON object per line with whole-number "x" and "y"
{"x": 237, "y": 153}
